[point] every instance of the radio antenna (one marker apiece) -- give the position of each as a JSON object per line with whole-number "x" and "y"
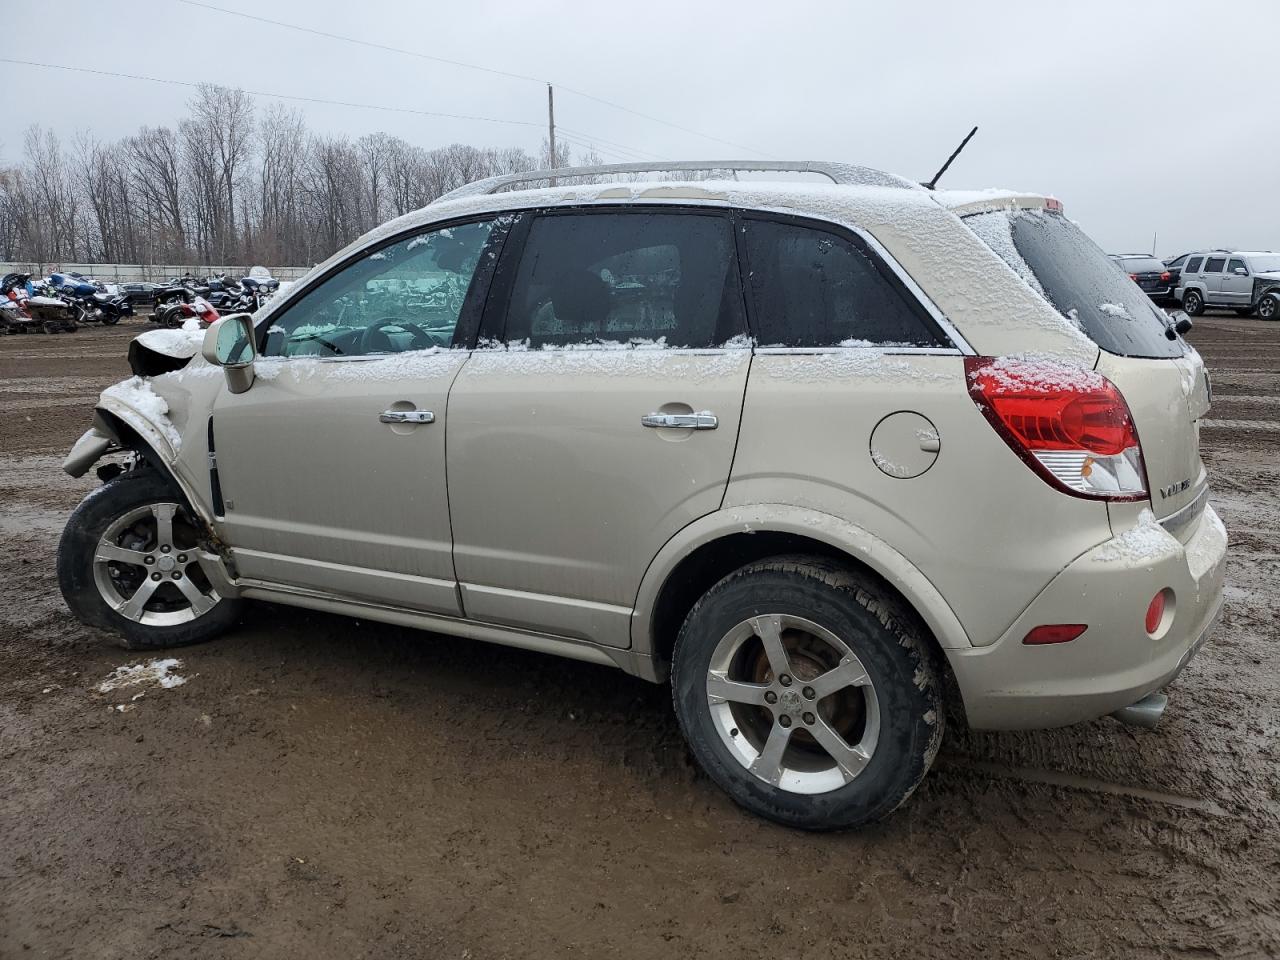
{"x": 938, "y": 176}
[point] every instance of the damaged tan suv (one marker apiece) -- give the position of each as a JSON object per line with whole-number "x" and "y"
{"x": 821, "y": 454}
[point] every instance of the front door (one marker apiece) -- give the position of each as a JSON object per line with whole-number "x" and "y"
{"x": 331, "y": 465}
{"x": 1237, "y": 287}
{"x": 602, "y": 419}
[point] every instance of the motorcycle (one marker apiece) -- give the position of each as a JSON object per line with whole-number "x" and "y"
{"x": 177, "y": 313}
{"x": 28, "y": 313}
{"x": 96, "y": 305}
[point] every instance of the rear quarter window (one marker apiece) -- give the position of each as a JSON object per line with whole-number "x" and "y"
{"x": 1059, "y": 261}
{"x": 1193, "y": 265}
{"x": 815, "y": 287}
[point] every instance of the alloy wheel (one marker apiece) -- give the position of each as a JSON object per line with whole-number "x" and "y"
{"x": 793, "y": 703}
{"x": 147, "y": 567}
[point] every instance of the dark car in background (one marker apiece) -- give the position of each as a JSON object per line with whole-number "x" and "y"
{"x": 1156, "y": 280}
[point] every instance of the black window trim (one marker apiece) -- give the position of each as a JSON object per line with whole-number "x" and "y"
{"x": 493, "y": 325}
{"x": 473, "y": 304}
{"x": 1222, "y": 267}
{"x": 952, "y": 343}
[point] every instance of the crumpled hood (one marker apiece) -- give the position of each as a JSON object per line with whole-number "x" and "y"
{"x": 163, "y": 351}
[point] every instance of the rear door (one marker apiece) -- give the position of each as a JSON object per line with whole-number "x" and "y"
{"x": 1211, "y": 277}
{"x": 599, "y": 415}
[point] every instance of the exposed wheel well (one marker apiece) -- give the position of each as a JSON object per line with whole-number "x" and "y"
{"x": 713, "y": 561}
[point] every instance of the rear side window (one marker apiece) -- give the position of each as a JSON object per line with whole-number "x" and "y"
{"x": 1214, "y": 264}
{"x": 602, "y": 278}
{"x": 814, "y": 288}
{"x": 1193, "y": 265}
{"x": 1061, "y": 263}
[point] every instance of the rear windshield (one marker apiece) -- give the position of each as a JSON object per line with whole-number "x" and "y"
{"x": 1142, "y": 265}
{"x": 1085, "y": 285}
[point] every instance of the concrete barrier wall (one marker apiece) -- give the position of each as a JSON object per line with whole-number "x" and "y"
{"x": 157, "y": 273}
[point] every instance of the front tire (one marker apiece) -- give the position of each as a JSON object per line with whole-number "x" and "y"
{"x": 807, "y": 693}
{"x": 1193, "y": 303}
{"x": 131, "y": 561}
{"x": 1269, "y": 307}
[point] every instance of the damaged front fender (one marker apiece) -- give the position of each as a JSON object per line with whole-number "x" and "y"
{"x": 87, "y": 451}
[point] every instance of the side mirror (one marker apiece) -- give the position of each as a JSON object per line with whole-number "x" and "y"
{"x": 1240, "y": 272}
{"x": 229, "y": 343}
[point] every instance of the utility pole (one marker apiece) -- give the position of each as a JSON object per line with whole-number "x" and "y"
{"x": 551, "y": 127}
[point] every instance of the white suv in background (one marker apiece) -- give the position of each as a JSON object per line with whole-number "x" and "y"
{"x": 1246, "y": 281}
{"x": 817, "y": 454}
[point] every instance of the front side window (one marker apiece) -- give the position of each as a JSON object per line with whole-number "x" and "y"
{"x": 1193, "y": 265}
{"x": 1214, "y": 264}
{"x": 405, "y": 296}
{"x": 640, "y": 278}
{"x": 815, "y": 288}
{"x": 1235, "y": 265}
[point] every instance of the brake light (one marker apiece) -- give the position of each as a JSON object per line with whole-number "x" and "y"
{"x": 1071, "y": 425}
{"x": 1133, "y": 277}
{"x": 1165, "y": 276}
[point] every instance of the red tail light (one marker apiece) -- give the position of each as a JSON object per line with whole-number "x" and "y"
{"x": 1070, "y": 425}
{"x": 1133, "y": 277}
{"x": 1165, "y": 276}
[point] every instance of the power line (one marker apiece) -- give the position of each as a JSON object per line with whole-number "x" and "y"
{"x": 641, "y": 154}
{"x": 278, "y": 96}
{"x": 472, "y": 66}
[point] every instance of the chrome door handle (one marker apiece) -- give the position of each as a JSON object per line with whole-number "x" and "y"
{"x": 681, "y": 421}
{"x": 407, "y": 416}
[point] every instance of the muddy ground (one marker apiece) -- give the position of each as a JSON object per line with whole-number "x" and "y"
{"x": 322, "y": 787}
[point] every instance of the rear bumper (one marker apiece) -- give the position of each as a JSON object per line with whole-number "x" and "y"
{"x": 1115, "y": 662}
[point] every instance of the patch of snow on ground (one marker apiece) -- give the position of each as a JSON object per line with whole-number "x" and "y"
{"x": 157, "y": 672}
{"x": 137, "y": 393}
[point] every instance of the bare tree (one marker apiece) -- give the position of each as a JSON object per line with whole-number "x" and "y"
{"x": 220, "y": 188}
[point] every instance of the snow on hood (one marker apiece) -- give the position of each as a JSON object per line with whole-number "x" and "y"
{"x": 182, "y": 344}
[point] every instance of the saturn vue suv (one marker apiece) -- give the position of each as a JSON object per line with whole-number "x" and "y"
{"x": 835, "y": 460}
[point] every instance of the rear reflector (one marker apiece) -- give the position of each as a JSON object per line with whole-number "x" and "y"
{"x": 1155, "y": 612}
{"x": 1069, "y": 424}
{"x": 1055, "y": 633}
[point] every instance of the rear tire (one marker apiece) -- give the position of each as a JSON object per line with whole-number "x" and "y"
{"x": 834, "y": 731}
{"x": 124, "y": 567}
{"x": 1193, "y": 303}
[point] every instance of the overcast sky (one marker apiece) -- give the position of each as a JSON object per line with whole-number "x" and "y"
{"x": 1144, "y": 118}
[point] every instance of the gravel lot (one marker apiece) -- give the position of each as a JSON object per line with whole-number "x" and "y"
{"x": 322, "y": 787}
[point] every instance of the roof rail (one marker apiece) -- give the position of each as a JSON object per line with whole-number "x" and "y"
{"x": 841, "y": 173}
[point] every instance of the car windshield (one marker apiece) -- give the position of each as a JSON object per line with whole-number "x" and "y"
{"x": 1269, "y": 264}
{"x": 1063, "y": 265}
